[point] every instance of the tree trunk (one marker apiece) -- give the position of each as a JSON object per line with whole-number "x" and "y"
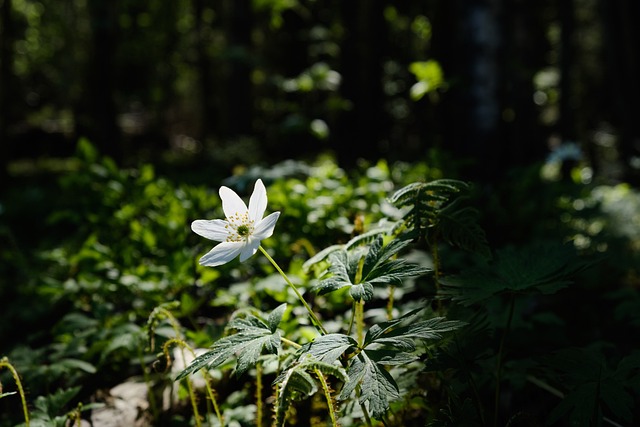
{"x": 622, "y": 69}
{"x": 466, "y": 43}
{"x": 362, "y": 129}
{"x": 96, "y": 116}
{"x": 6, "y": 85}
{"x": 237, "y": 111}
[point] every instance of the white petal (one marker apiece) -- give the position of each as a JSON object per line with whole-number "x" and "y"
{"x": 264, "y": 228}
{"x": 249, "y": 249}
{"x": 211, "y": 229}
{"x": 231, "y": 202}
{"x": 222, "y": 254}
{"x": 258, "y": 201}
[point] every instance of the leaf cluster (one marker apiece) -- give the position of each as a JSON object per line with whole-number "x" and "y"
{"x": 362, "y": 268}
{"x": 438, "y": 210}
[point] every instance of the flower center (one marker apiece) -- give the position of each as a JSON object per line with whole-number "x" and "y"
{"x": 239, "y": 227}
{"x": 242, "y": 230}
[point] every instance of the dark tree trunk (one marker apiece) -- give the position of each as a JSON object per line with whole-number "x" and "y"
{"x": 466, "y": 43}
{"x": 6, "y": 85}
{"x": 523, "y": 47}
{"x": 567, "y": 121}
{"x": 237, "y": 111}
{"x": 96, "y": 116}
{"x": 205, "y": 104}
{"x": 622, "y": 68}
{"x": 362, "y": 130}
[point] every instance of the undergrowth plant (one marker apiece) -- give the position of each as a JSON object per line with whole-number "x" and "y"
{"x": 360, "y": 359}
{"x": 363, "y": 299}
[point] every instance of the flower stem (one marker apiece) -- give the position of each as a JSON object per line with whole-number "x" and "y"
{"x": 312, "y": 315}
{"x": 259, "y": 394}
{"x": 4, "y": 363}
{"x": 327, "y": 394}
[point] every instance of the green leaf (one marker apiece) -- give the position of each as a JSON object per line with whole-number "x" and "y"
{"x": 377, "y": 386}
{"x": 276, "y": 316}
{"x": 296, "y": 383}
{"x": 378, "y": 267}
{"x": 328, "y": 348}
{"x": 397, "y": 332}
{"x": 458, "y": 226}
{"x": 593, "y": 384}
{"x": 252, "y": 337}
{"x": 543, "y": 267}
{"x": 437, "y": 210}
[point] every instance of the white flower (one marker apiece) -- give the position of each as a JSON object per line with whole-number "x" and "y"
{"x": 242, "y": 230}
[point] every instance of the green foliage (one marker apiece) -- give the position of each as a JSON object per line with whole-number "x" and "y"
{"x": 594, "y": 387}
{"x": 362, "y": 253}
{"x": 360, "y": 272}
{"x": 543, "y": 267}
{"x": 251, "y": 337}
{"x": 296, "y": 383}
{"x": 436, "y": 210}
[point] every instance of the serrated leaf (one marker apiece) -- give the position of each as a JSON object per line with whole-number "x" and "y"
{"x": 358, "y": 240}
{"x": 396, "y": 332}
{"x": 275, "y": 317}
{"x": 362, "y": 291}
{"x": 377, "y": 386}
{"x": 328, "y": 348}
{"x": 437, "y": 209}
{"x": 252, "y": 337}
{"x": 378, "y": 267}
{"x": 459, "y": 227}
{"x": 592, "y": 384}
{"x": 296, "y": 382}
{"x": 543, "y": 268}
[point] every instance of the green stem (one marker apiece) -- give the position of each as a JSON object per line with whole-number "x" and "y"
{"x": 4, "y": 362}
{"x": 353, "y": 316}
{"x": 360, "y": 321}
{"x": 289, "y": 342}
{"x": 436, "y": 271}
{"x": 392, "y": 289}
{"x": 312, "y": 315}
{"x": 259, "y": 394}
{"x": 327, "y": 395}
{"x": 496, "y": 408}
{"x": 366, "y": 413}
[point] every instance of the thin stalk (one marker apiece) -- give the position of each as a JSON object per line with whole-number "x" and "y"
{"x": 192, "y": 395}
{"x": 353, "y": 316}
{"x": 259, "y": 394}
{"x": 436, "y": 270}
{"x": 366, "y": 414}
{"x": 496, "y": 407}
{"x": 312, "y": 315}
{"x": 4, "y": 362}
{"x": 289, "y": 342}
{"x": 392, "y": 289}
{"x": 214, "y": 402}
{"x": 327, "y": 395}
{"x": 147, "y": 379}
{"x": 360, "y": 321}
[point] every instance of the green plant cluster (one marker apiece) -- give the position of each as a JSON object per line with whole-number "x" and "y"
{"x": 422, "y": 321}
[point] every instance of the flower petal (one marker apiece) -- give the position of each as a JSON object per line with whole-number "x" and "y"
{"x": 231, "y": 202}
{"x": 264, "y": 228}
{"x": 249, "y": 249}
{"x": 258, "y": 201}
{"x": 211, "y": 229}
{"x": 222, "y": 254}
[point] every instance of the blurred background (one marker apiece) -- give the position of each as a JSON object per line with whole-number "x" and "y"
{"x": 120, "y": 119}
{"x": 496, "y": 83}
